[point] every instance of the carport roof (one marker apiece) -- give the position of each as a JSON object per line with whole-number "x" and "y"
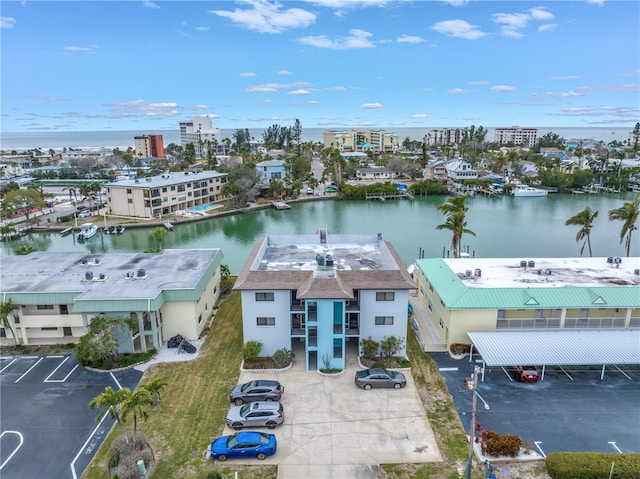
{"x": 558, "y": 347}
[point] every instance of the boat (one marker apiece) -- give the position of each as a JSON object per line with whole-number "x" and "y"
{"x": 109, "y": 229}
{"x": 526, "y": 190}
{"x": 87, "y": 230}
{"x": 119, "y": 229}
{"x": 281, "y": 205}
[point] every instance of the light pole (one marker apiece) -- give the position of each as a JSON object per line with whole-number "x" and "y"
{"x": 472, "y": 430}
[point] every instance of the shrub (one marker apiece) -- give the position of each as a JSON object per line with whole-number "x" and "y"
{"x": 282, "y": 358}
{"x": 214, "y": 475}
{"x": 592, "y": 465}
{"x": 391, "y": 345}
{"x": 251, "y": 350}
{"x": 458, "y": 349}
{"x": 369, "y": 347}
{"x": 493, "y": 444}
{"x": 405, "y": 363}
{"x": 114, "y": 459}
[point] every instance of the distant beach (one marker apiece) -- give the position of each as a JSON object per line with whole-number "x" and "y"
{"x": 124, "y": 138}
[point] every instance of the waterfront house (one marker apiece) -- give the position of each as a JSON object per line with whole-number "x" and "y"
{"x": 460, "y": 169}
{"x": 271, "y": 170}
{"x": 435, "y": 170}
{"x": 375, "y": 174}
{"x": 56, "y": 295}
{"x": 163, "y": 194}
{"x": 324, "y": 292}
{"x": 464, "y": 295}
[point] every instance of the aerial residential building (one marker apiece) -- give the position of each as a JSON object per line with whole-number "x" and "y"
{"x": 147, "y": 146}
{"x": 324, "y": 292}
{"x": 460, "y": 169}
{"x": 465, "y": 295}
{"x": 376, "y": 141}
{"x": 164, "y": 194}
{"x": 444, "y": 136}
{"x": 202, "y": 135}
{"x": 517, "y": 136}
{"x": 56, "y": 294}
{"x": 271, "y": 170}
{"x": 375, "y": 174}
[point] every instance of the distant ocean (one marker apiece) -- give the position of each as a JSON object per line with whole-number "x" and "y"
{"x": 123, "y": 139}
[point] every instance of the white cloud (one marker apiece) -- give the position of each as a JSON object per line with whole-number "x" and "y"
{"x": 503, "y": 88}
{"x": 265, "y": 17}
{"x": 337, "y": 88}
{"x": 313, "y": 102}
{"x": 563, "y": 93}
{"x": 479, "y": 82}
{"x": 624, "y": 113}
{"x": 271, "y": 87}
{"x": 38, "y": 96}
{"x": 149, "y": 4}
{"x": 7, "y": 22}
{"x": 635, "y": 73}
{"x": 409, "y": 39}
{"x": 342, "y": 7}
{"x": 141, "y": 108}
{"x": 512, "y": 24}
{"x": 284, "y": 72}
{"x": 372, "y": 106}
{"x": 73, "y": 48}
{"x": 600, "y": 3}
{"x": 357, "y": 39}
{"x": 267, "y": 102}
{"x": 458, "y": 29}
{"x": 427, "y": 89}
{"x": 300, "y": 91}
{"x": 547, "y": 27}
{"x": 202, "y": 29}
{"x": 457, "y": 91}
{"x": 200, "y": 107}
{"x": 455, "y": 3}
{"x": 627, "y": 87}
{"x": 418, "y": 115}
{"x": 248, "y": 74}
{"x": 565, "y": 77}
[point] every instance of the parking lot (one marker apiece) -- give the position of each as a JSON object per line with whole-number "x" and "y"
{"x": 570, "y": 410}
{"x": 334, "y": 429}
{"x": 46, "y": 422}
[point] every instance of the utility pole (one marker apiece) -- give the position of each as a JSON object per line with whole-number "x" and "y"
{"x": 472, "y": 429}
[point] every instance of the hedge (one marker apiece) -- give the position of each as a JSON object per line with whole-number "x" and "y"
{"x": 592, "y": 465}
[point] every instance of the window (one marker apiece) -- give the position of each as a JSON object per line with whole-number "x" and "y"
{"x": 130, "y": 201}
{"x": 261, "y": 321}
{"x": 129, "y": 191}
{"x": 385, "y": 296}
{"x": 430, "y": 306}
{"x": 67, "y": 331}
{"x": 337, "y": 348}
{"x": 430, "y": 287}
{"x": 45, "y": 306}
{"x": 64, "y": 309}
{"x": 384, "y": 320}
{"x": 49, "y": 329}
{"x": 264, "y": 296}
{"x": 441, "y": 324}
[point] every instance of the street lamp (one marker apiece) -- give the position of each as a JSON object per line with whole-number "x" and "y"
{"x": 472, "y": 430}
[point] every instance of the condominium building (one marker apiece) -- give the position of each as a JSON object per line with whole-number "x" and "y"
{"x": 324, "y": 292}
{"x": 164, "y": 194}
{"x": 201, "y": 134}
{"x": 516, "y": 136}
{"x": 376, "y": 141}
{"x": 57, "y": 294}
{"x": 149, "y": 146}
{"x": 464, "y": 295}
{"x": 444, "y": 136}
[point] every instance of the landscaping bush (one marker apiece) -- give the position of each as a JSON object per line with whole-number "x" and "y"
{"x": 282, "y": 358}
{"x": 391, "y": 345}
{"x": 214, "y": 475}
{"x": 458, "y": 349}
{"x": 114, "y": 459}
{"x": 493, "y": 444}
{"x": 369, "y": 348}
{"x": 251, "y": 350}
{"x": 592, "y": 465}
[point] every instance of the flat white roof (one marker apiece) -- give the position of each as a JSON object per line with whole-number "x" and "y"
{"x": 545, "y": 272}
{"x": 552, "y": 347}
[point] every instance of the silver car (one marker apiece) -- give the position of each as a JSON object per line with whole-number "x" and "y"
{"x": 260, "y": 413}
{"x": 380, "y": 378}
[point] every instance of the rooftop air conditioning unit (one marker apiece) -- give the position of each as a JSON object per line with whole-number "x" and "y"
{"x": 141, "y": 273}
{"x": 88, "y": 275}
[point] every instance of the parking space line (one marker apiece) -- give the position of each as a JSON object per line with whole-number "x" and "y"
{"x": 537, "y": 444}
{"x": 60, "y": 380}
{"x": 613, "y": 445}
{"x": 27, "y": 371}
{"x": 507, "y": 373}
{"x": 13, "y": 361}
{"x": 116, "y": 381}
{"x": 73, "y": 463}
{"x": 622, "y": 372}
{"x": 15, "y": 450}
{"x": 447, "y": 369}
{"x": 567, "y": 374}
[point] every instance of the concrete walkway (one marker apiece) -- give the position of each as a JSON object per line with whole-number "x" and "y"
{"x": 427, "y": 335}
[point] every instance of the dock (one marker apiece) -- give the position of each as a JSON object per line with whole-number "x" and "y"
{"x": 66, "y": 231}
{"x": 167, "y": 225}
{"x": 281, "y": 205}
{"x": 389, "y": 196}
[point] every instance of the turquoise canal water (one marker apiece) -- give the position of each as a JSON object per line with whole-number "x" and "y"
{"x": 505, "y": 227}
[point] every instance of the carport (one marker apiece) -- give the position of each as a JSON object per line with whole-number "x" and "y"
{"x": 557, "y": 347}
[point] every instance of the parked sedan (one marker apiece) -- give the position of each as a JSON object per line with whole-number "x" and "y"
{"x": 84, "y": 214}
{"x": 380, "y": 378}
{"x": 260, "y": 390}
{"x": 527, "y": 374}
{"x": 254, "y": 414}
{"x": 244, "y": 444}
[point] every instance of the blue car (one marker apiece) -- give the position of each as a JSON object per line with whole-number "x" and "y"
{"x": 244, "y": 444}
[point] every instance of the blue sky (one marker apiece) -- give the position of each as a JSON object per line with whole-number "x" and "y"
{"x": 89, "y": 65}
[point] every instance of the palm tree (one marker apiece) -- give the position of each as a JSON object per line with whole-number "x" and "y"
{"x": 454, "y": 204}
{"x": 6, "y": 312}
{"x": 457, "y": 224}
{"x": 109, "y": 401}
{"x": 154, "y": 386}
{"x": 135, "y": 403}
{"x": 72, "y": 193}
{"x": 158, "y": 234}
{"x": 585, "y": 220}
{"x": 628, "y": 213}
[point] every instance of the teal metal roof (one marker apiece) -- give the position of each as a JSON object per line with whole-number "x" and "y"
{"x": 456, "y": 294}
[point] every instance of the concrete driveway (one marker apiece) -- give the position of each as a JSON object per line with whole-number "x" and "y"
{"x": 333, "y": 429}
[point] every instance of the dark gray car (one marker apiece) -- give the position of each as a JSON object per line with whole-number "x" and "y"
{"x": 259, "y": 390}
{"x": 254, "y": 414}
{"x": 380, "y": 378}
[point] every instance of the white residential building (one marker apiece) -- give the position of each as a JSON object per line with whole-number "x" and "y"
{"x": 517, "y": 136}
{"x": 200, "y": 132}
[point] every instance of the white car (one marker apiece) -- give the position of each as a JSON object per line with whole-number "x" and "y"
{"x": 85, "y": 214}
{"x": 309, "y": 191}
